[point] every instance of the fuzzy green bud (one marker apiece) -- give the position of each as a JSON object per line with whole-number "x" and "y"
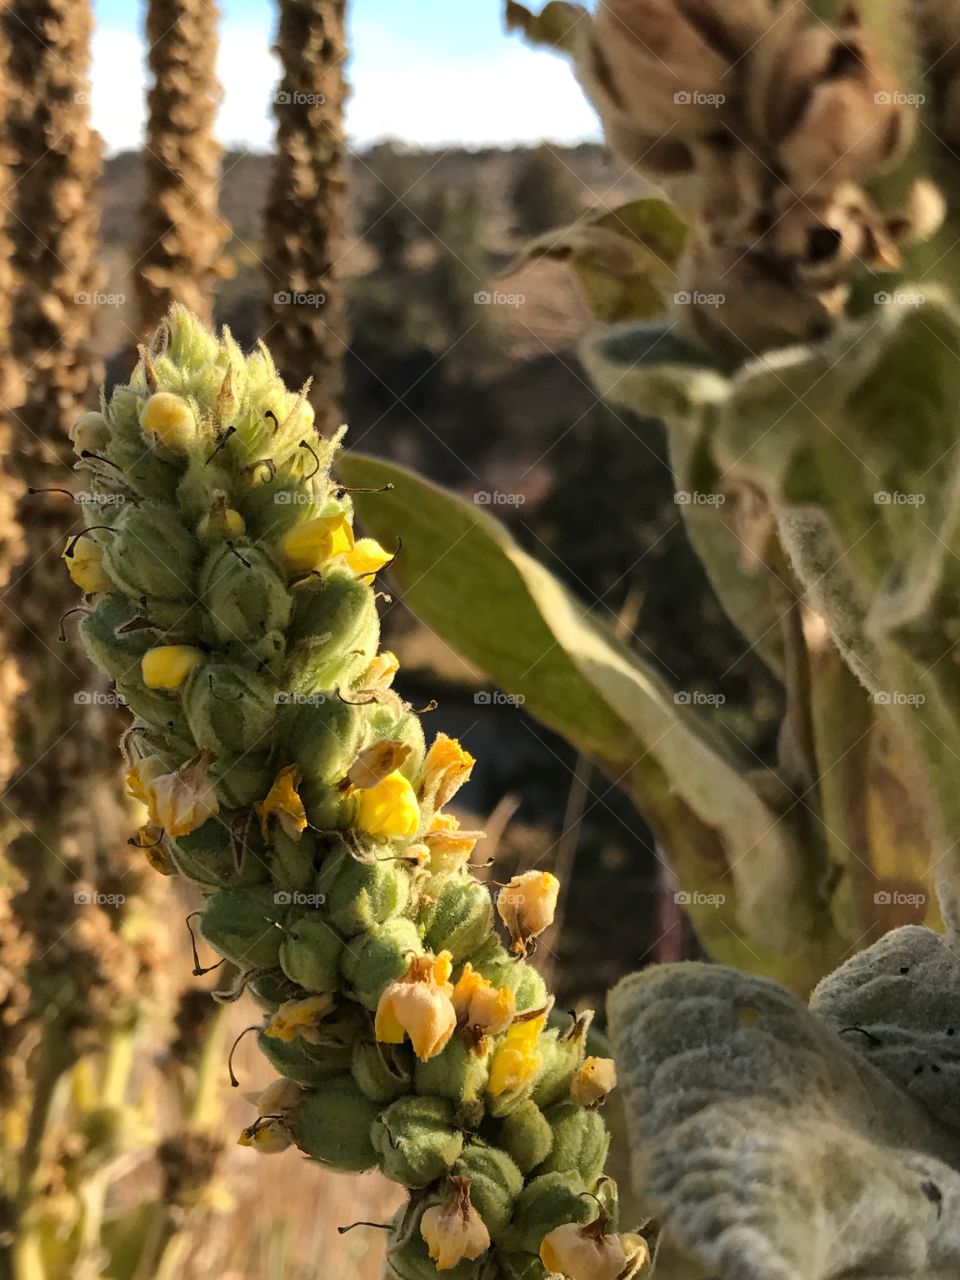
{"x": 545, "y": 1203}
{"x": 323, "y": 736}
{"x": 212, "y": 857}
{"x": 526, "y": 1136}
{"x": 562, "y": 1059}
{"x": 461, "y": 920}
{"x": 310, "y": 953}
{"x": 334, "y": 633}
{"x": 245, "y": 593}
{"x": 580, "y": 1142}
{"x": 417, "y": 1141}
{"x": 151, "y": 553}
{"x": 329, "y": 1052}
{"x": 363, "y": 894}
{"x": 495, "y": 1184}
{"x": 245, "y": 925}
{"x": 230, "y": 709}
{"x": 460, "y": 1073}
{"x": 333, "y": 1125}
{"x": 374, "y": 959}
{"x": 384, "y": 1072}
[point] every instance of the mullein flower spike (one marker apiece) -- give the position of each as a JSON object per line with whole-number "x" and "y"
{"x": 234, "y": 607}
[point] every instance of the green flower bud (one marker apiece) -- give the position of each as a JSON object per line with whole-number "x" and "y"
{"x": 334, "y": 634}
{"x": 416, "y": 1140}
{"x": 580, "y": 1142}
{"x": 229, "y": 706}
{"x": 495, "y": 1184}
{"x": 323, "y": 737}
{"x": 562, "y": 1054}
{"x": 459, "y": 1073}
{"x": 242, "y": 779}
{"x": 116, "y": 652}
{"x": 362, "y": 894}
{"x": 333, "y": 1125}
{"x": 329, "y": 1052}
{"x": 383, "y": 1071}
{"x": 394, "y": 721}
{"x": 310, "y": 953}
{"x": 372, "y": 960}
{"x": 526, "y": 1136}
{"x": 245, "y": 593}
{"x": 214, "y": 858}
{"x": 522, "y": 1266}
{"x": 294, "y": 862}
{"x": 462, "y": 919}
{"x": 272, "y": 988}
{"x": 151, "y": 553}
{"x": 159, "y": 709}
{"x": 245, "y": 925}
{"x": 545, "y": 1203}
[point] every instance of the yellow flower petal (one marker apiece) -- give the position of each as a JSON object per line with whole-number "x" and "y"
{"x": 595, "y": 1079}
{"x": 167, "y": 665}
{"x": 367, "y": 558}
{"x": 283, "y": 803}
{"x": 447, "y": 767}
{"x": 269, "y": 1137}
{"x": 183, "y": 801}
{"x": 313, "y": 543}
{"x": 419, "y": 1005}
{"x": 84, "y": 561}
{"x": 481, "y": 1006}
{"x": 516, "y": 1059}
{"x": 454, "y": 1232}
{"x": 170, "y": 419}
{"x": 380, "y": 673}
{"x": 527, "y": 906}
{"x": 299, "y": 1018}
{"x": 388, "y": 809}
{"x": 374, "y": 763}
{"x": 588, "y": 1253}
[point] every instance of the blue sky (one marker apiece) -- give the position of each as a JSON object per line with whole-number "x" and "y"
{"x": 429, "y": 72}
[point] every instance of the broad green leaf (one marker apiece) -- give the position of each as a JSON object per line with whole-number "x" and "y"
{"x": 465, "y": 577}
{"x": 654, "y": 372}
{"x": 624, "y": 261}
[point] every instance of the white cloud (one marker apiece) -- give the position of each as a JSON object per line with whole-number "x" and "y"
{"x": 512, "y": 96}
